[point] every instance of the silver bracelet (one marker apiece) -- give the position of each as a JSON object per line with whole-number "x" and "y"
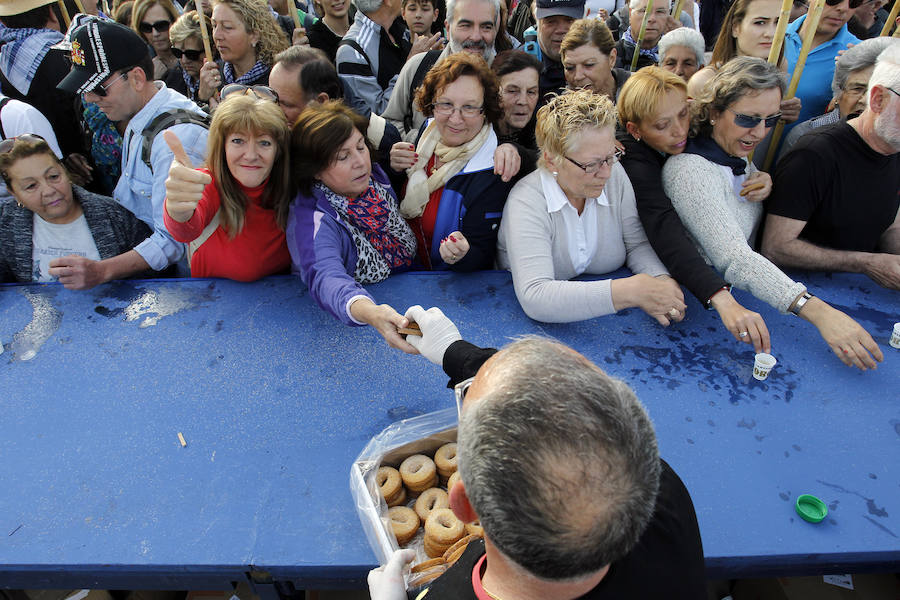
{"x": 801, "y": 302}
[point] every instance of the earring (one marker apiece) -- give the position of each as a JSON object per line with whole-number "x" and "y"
{"x": 637, "y": 138}
{"x": 555, "y": 173}
{"x": 712, "y": 121}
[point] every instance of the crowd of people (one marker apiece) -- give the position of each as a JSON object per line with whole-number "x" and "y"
{"x": 558, "y": 139}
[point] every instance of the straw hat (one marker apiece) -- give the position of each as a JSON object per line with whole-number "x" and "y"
{"x": 17, "y": 7}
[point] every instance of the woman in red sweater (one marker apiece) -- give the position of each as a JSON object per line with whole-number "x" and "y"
{"x": 233, "y": 212}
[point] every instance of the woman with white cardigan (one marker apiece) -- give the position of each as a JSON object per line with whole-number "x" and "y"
{"x": 576, "y": 215}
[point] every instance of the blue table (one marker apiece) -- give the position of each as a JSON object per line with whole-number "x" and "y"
{"x": 275, "y": 399}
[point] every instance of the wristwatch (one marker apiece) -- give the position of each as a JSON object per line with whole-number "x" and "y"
{"x": 800, "y": 303}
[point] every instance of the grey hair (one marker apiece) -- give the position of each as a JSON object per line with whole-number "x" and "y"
{"x": 683, "y": 36}
{"x": 735, "y": 79}
{"x": 887, "y": 68}
{"x": 367, "y": 6}
{"x": 451, "y": 10}
{"x": 861, "y": 56}
{"x": 559, "y": 461}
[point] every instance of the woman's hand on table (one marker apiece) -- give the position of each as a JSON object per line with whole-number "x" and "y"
{"x": 403, "y": 156}
{"x": 386, "y": 582}
{"x": 847, "y": 339}
{"x": 790, "y": 109}
{"x": 744, "y": 324}
{"x": 385, "y": 320}
{"x": 184, "y": 185}
{"x": 759, "y": 185}
{"x": 454, "y": 247}
{"x": 507, "y": 161}
{"x": 660, "y": 297}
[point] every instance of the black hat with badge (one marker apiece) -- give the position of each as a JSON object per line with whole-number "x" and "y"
{"x": 99, "y": 49}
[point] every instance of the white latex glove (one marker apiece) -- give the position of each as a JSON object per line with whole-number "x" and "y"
{"x": 438, "y": 332}
{"x": 386, "y": 583}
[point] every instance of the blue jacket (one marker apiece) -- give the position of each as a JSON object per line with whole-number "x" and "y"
{"x": 323, "y": 252}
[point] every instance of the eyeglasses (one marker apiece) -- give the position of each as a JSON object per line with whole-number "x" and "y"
{"x": 445, "y": 109}
{"x": 160, "y": 26}
{"x": 101, "y": 90}
{"x": 192, "y": 55}
{"x": 893, "y": 90}
{"x": 853, "y": 3}
{"x": 7, "y": 144}
{"x": 749, "y": 122}
{"x": 593, "y": 167}
{"x": 260, "y": 91}
{"x": 460, "y": 390}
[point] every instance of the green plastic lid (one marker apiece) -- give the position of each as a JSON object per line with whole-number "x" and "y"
{"x": 811, "y": 508}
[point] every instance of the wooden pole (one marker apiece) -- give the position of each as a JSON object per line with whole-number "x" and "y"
{"x": 640, "y": 39}
{"x": 778, "y": 41}
{"x": 812, "y": 22}
{"x": 295, "y": 13}
{"x": 891, "y": 18}
{"x": 676, "y": 10}
{"x": 204, "y": 35}
{"x": 79, "y": 6}
{"x": 65, "y": 13}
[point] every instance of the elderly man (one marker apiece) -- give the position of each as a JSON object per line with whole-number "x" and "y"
{"x": 559, "y": 462}
{"x": 472, "y": 26}
{"x": 657, "y": 25}
{"x": 372, "y": 52}
{"x": 849, "y": 85}
{"x": 834, "y": 204}
{"x": 681, "y": 52}
{"x": 554, "y": 18}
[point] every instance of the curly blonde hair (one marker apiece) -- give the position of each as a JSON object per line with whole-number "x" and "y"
{"x": 257, "y": 19}
{"x": 560, "y": 120}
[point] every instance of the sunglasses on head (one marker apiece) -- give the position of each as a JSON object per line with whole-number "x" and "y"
{"x": 750, "y": 122}
{"x": 7, "y": 144}
{"x": 161, "y": 26}
{"x": 260, "y": 91}
{"x": 193, "y": 55}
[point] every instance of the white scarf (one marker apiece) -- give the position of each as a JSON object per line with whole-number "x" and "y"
{"x": 420, "y": 186}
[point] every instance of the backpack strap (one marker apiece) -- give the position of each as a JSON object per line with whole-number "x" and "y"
{"x": 163, "y": 121}
{"x": 204, "y": 235}
{"x": 3, "y": 102}
{"x": 353, "y": 44}
{"x": 428, "y": 61}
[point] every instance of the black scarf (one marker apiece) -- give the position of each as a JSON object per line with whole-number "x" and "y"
{"x": 706, "y": 147}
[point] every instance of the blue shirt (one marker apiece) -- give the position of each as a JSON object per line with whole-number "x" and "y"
{"x": 814, "y": 90}
{"x": 142, "y": 190}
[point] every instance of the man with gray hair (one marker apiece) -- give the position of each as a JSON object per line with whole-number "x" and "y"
{"x": 835, "y": 204}
{"x": 472, "y": 26}
{"x": 851, "y": 79}
{"x": 559, "y": 462}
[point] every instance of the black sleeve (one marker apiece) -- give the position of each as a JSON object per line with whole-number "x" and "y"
{"x": 663, "y": 226}
{"x": 800, "y": 179}
{"x": 463, "y": 359}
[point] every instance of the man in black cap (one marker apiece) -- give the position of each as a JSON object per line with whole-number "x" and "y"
{"x": 111, "y": 67}
{"x": 554, "y": 18}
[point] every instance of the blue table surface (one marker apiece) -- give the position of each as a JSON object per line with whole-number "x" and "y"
{"x": 276, "y": 399}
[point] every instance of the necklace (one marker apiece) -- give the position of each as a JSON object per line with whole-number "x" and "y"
{"x": 490, "y": 594}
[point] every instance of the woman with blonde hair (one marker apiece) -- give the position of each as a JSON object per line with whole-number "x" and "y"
{"x": 247, "y": 38}
{"x": 187, "y": 46}
{"x": 588, "y": 54}
{"x": 709, "y": 185}
{"x": 233, "y": 212}
{"x": 576, "y": 215}
{"x": 151, "y": 19}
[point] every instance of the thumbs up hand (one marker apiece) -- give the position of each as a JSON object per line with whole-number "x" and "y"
{"x": 184, "y": 186}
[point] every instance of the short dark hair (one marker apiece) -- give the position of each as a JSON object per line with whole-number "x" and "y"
{"x": 452, "y": 68}
{"x": 513, "y": 61}
{"x": 320, "y": 76}
{"x": 35, "y": 18}
{"x": 145, "y": 65}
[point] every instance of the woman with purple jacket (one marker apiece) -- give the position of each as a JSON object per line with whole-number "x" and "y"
{"x": 344, "y": 228}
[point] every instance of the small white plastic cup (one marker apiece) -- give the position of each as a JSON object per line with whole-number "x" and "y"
{"x": 895, "y": 336}
{"x": 762, "y": 365}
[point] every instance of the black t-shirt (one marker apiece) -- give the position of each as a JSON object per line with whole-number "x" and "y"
{"x": 666, "y": 564}
{"x": 323, "y": 38}
{"x": 846, "y": 192}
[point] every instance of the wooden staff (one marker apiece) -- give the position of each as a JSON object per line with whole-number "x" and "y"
{"x": 778, "y": 41}
{"x": 891, "y": 18}
{"x": 812, "y": 22}
{"x": 204, "y": 35}
{"x": 106, "y": 8}
{"x": 79, "y": 6}
{"x": 295, "y": 12}
{"x": 65, "y": 13}
{"x": 676, "y": 10}
{"x": 640, "y": 40}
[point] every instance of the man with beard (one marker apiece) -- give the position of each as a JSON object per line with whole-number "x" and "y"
{"x": 834, "y": 205}
{"x": 472, "y": 26}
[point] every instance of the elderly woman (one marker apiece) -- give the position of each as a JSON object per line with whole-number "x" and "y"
{"x": 247, "y": 38}
{"x": 54, "y": 226}
{"x": 588, "y": 55}
{"x": 518, "y": 74}
{"x": 151, "y": 19}
{"x": 232, "y": 213}
{"x": 455, "y": 193}
{"x": 576, "y": 215}
{"x": 681, "y": 51}
{"x": 187, "y": 46}
{"x": 707, "y": 184}
{"x": 345, "y": 228}
{"x": 655, "y": 118}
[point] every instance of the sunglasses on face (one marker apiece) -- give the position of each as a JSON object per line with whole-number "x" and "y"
{"x": 192, "y": 55}
{"x": 161, "y": 26}
{"x": 7, "y": 144}
{"x": 853, "y": 3}
{"x": 101, "y": 90}
{"x": 260, "y": 91}
{"x": 749, "y": 122}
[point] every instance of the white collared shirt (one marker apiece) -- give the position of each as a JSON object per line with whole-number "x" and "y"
{"x": 581, "y": 229}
